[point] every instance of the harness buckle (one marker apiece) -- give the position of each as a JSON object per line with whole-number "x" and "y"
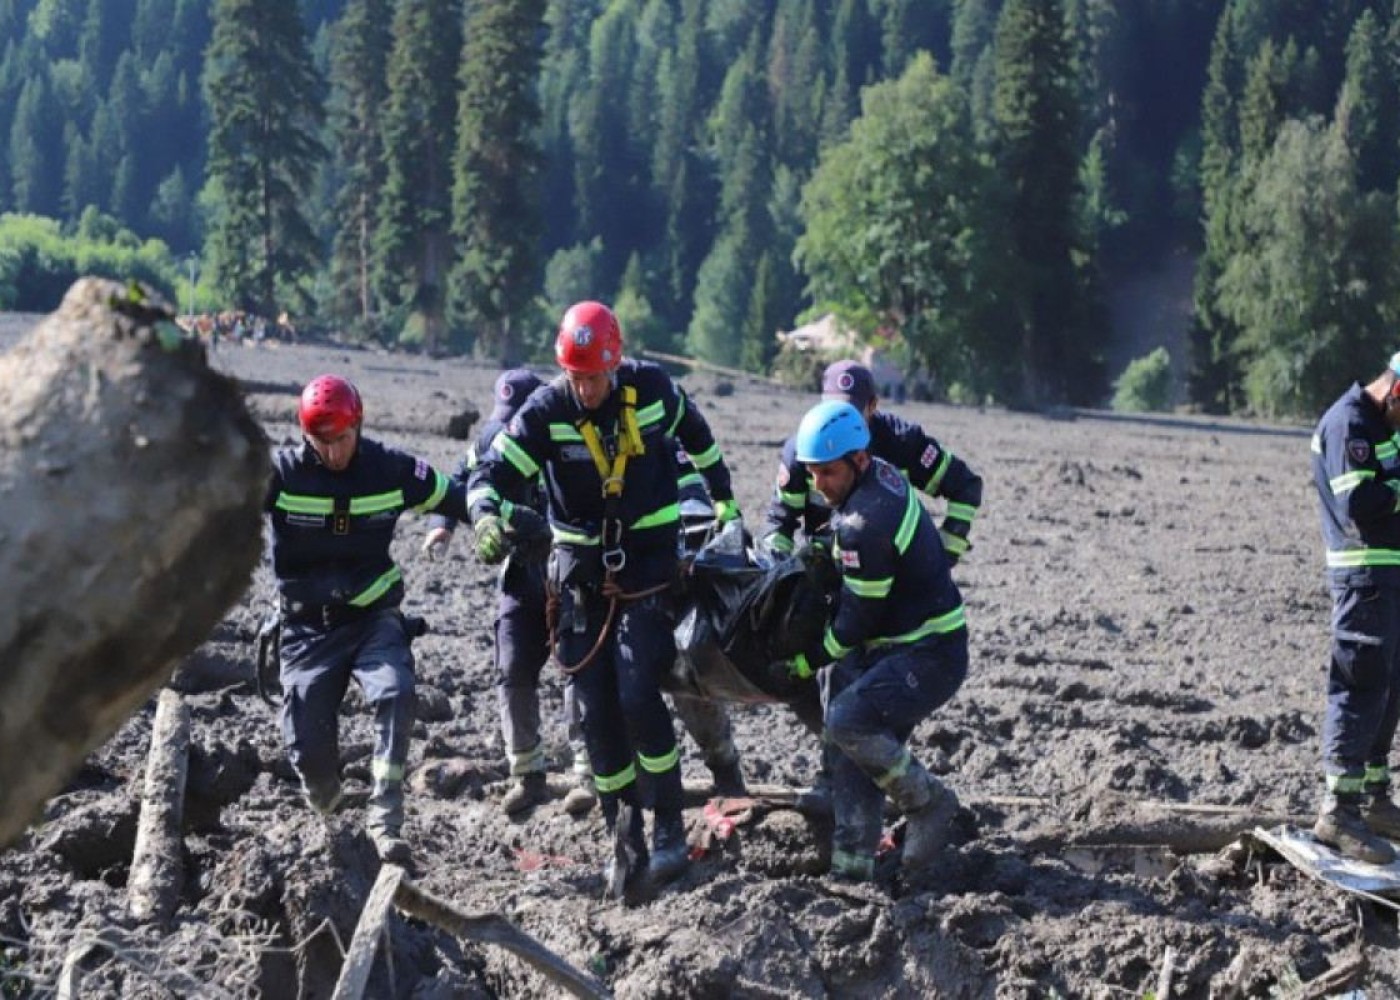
{"x": 612, "y": 486}
{"x": 614, "y": 558}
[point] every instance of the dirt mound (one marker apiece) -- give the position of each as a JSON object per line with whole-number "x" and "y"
{"x": 1149, "y": 632}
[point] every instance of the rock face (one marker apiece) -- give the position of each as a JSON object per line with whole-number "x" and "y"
{"x": 131, "y": 485}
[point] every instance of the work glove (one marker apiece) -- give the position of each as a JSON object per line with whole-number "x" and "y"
{"x": 776, "y": 545}
{"x": 529, "y": 533}
{"x": 491, "y": 543}
{"x": 436, "y": 543}
{"x": 726, "y": 511}
{"x": 799, "y": 667}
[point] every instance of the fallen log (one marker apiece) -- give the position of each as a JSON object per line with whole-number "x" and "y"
{"x": 133, "y": 479}
{"x": 359, "y": 960}
{"x": 158, "y": 863}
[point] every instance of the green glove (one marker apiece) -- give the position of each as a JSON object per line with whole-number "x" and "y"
{"x": 726, "y": 511}
{"x": 491, "y": 544}
{"x": 799, "y": 667}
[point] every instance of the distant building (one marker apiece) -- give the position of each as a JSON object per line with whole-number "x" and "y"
{"x": 830, "y": 337}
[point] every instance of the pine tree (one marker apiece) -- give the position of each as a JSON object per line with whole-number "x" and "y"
{"x": 36, "y": 163}
{"x": 359, "y": 66}
{"x": 413, "y": 239}
{"x": 1037, "y": 121}
{"x": 263, "y": 96}
{"x": 496, "y": 220}
{"x": 1364, "y": 110}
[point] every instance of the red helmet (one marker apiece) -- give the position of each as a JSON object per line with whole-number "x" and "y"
{"x": 329, "y": 405}
{"x": 590, "y": 339}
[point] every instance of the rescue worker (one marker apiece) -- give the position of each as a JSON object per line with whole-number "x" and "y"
{"x": 599, "y": 437}
{"x": 1356, "y": 471}
{"x": 522, "y": 637}
{"x": 894, "y": 650}
{"x": 923, "y": 461}
{"x": 333, "y": 503}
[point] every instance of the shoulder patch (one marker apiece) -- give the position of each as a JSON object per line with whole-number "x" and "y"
{"x": 1358, "y": 450}
{"x": 784, "y": 476}
{"x": 929, "y": 456}
{"x": 420, "y": 469}
{"x": 890, "y": 478}
{"x": 515, "y": 428}
{"x": 850, "y": 559}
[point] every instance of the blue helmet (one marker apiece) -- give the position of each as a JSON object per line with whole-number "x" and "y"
{"x": 832, "y": 429}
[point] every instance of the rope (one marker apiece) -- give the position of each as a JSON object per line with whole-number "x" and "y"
{"x": 616, "y": 597}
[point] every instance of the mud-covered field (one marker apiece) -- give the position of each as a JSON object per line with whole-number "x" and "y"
{"x": 1148, "y": 625}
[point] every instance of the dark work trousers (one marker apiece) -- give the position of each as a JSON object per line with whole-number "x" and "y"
{"x": 631, "y": 741}
{"x": 316, "y": 669}
{"x": 873, "y": 700}
{"x": 1363, "y": 684}
{"x": 522, "y": 647}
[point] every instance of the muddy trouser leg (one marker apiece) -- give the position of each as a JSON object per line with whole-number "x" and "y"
{"x": 522, "y": 646}
{"x": 384, "y": 669}
{"x": 869, "y": 718}
{"x": 1363, "y": 689}
{"x": 604, "y": 724}
{"x": 643, "y": 648}
{"x": 708, "y": 724}
{"x": 573, "y": 720}
{"x": 315, "y": 672}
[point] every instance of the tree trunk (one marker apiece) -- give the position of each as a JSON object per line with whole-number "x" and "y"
{"x": 132, "y": 479}
{"x": 158, "y": 863}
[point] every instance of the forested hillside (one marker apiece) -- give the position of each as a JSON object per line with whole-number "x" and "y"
{"x": 961, "y": 181}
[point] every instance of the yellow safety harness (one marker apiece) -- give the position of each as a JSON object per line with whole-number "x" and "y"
{"x": 614, "y": 477}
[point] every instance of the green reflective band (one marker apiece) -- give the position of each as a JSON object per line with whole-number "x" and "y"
{"x": 833, "y": 646}
{"x": 1349, "y": 481}
{"x": 377, "y": 503}
{"x": 294, "y": 504}
{"x": 653, "y": 414}
{"x": 939, "y": 472}
{"x": 516, "y": 455}
{"x": 797, "y": 501}
{"x": 615, "y": 782}
{"x": 956, "y": 544}
{"x": 377, "y": 589}
{"x": 868, "y": 588}
{"x": 1316, "y": 445}
{"x": 1352, "y": 558}
{"x": 706, "y": 458}
{"x": 962, "y": 511}
{"x": 527, "y": 761}
{"x": 852, "y": 865}
{"x": 482, "y": 493}
{"x": 1377, "y": 774}
{"x": 950, "y": 622}
{"x": 898, "y": 770}
{"x": 690, "y": 479}
{"x": 779, "y": 542}
{"x": 680, "y": 412}
{"x": 913, "y": 510}
{"x": 507, "y": 509}
{"x": 1387, "y": 449}
{"x": 473, "y": 459}
{"x": 386, "y": 770}
{"x": 440, "y": 484}
{"x": 1345, "y": 784}
{"x": 564, "y": 432}
{"x": 565, "y": 536}
{"x": 1394, "y": 486}
{"x": 668, "y": 761}
{"x": 669, "y": 514}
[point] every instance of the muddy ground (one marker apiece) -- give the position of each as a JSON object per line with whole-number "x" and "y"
{"x": 1148, "y": 626}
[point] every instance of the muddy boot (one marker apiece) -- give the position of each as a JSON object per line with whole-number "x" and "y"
{"x": 670, "y": 854}
{"x": 1382, "y": 815}
{"x": 390, "y": 846}
{"x": 849, "y": 867}
{"x": 581, "y": 798}
{"x": 1341, "y": 827}
{"x": 628, "y": 865}
{"x": 728, "y": 780}
{"x": 929, "y": 807}
{"x": 529, "y": 790}
{"x": 325, "y": 800}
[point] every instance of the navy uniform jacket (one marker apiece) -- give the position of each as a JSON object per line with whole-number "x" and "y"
{"x": 1356, "y": 469}
{"x": 331, "y": 530}
{"x": 529, "y": 493}
{"x": 895, "y": 582}
{"x": 544, "y": 438}
{"x": 925, "y": 462}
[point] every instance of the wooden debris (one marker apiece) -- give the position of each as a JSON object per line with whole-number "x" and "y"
{"x": 359, "y": 961}
{"x": 157, "y": 866}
